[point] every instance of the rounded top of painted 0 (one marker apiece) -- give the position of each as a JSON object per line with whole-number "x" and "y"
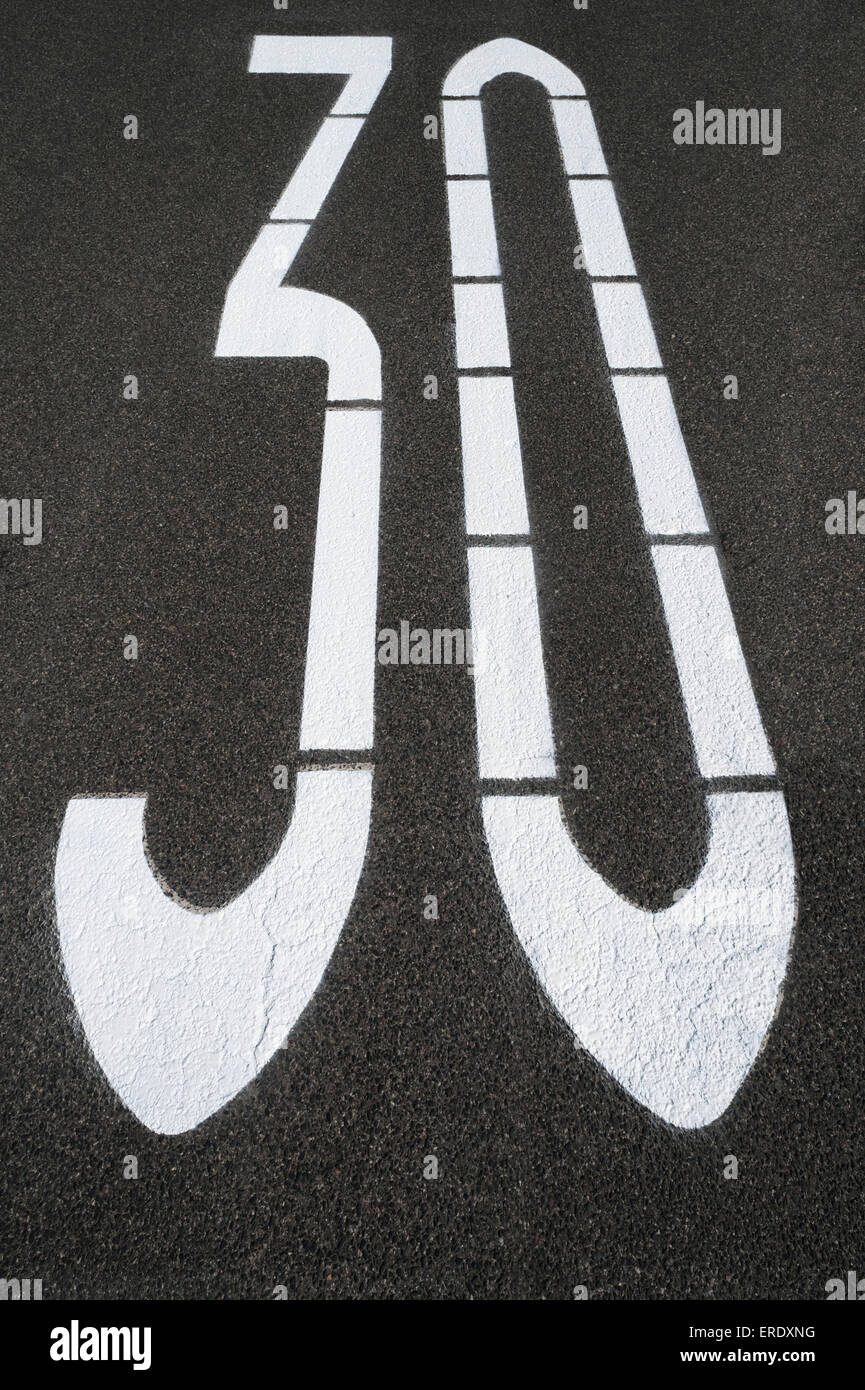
{"x": 500, "y": 56}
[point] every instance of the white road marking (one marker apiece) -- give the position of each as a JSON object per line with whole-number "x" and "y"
{"x": 667, "y": 492}
{"x": 722, "y": 712}
{"x": 578, "y": 138}
{"x": 473, "y": 230}
{"x": 489, "y": 60}
{"x": 317, "y": 171}
{"x": 602, "y": 235}
{"x": 492, "y": 462}
{"x": 514, "y": 735}
{"x": 183, "y": 1008}
{"x": 463, "y": 131}
{"x": 675, "y": 1004}
{"x": 481, "y": 327}
{"x": 629, "y": 340}
{"x": 340, "y": 669}
{"x": 264, "y": 318}
{"x": 366, "y": 61}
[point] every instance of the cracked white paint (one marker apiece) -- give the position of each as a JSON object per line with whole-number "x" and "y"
{"x": 183, "y": 1008}
{"x": 674, "y": 1004}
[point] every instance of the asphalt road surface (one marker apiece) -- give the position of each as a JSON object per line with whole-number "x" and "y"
{"x": 428, "y": 1037}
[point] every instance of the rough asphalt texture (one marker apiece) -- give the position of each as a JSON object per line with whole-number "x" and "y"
{"x": 425, "y": 1037}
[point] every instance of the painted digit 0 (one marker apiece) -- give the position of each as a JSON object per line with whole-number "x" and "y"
{"x": 183, "y": 1008}
{"x": 675, "y": 1004}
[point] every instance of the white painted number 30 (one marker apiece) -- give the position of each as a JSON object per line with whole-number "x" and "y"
{"x": 183, "y": 1008}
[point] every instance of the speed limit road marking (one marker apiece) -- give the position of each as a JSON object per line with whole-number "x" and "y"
{"x": 182, "y": 1008}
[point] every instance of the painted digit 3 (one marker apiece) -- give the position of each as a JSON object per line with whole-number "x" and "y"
{"x": 675, "y": 1004}
{"x": 182, "y": 1008}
